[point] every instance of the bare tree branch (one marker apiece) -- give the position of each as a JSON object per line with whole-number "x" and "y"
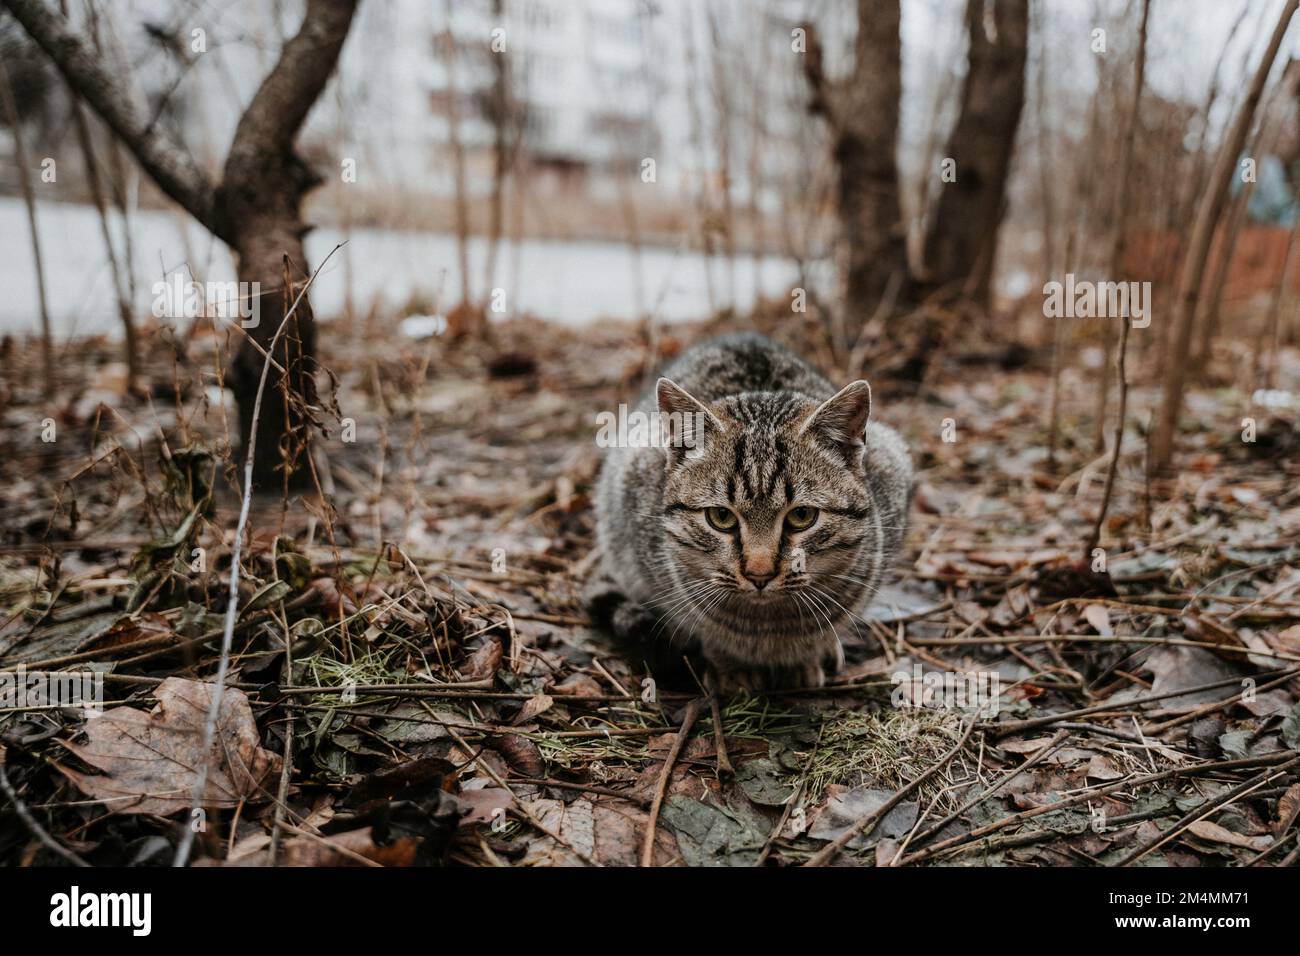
{"x": 165, "y": 160}
{"x": 268, "y": 127}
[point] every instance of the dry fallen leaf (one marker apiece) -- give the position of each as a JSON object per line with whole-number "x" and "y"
{"x": 130, "y": 630}
{"x": 482, "y": 805}
{"x": 150, "y": 762}
{"x": 351, "y": 848}
{"x": 1099, "y": 617}
{"x": 574, "y": 822}
{"x": 1217, "y": 834}
{"x": 1100, "y": 767}
{"x": 1288, "y": 808}
{"x": 521, "y": 753}
{"x": 483, "y": 663}
{"x": 537, "y": 704}
{"x": 579, "y": 685}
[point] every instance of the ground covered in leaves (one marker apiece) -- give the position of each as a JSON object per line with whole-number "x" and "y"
{"x": 413, "y": 679}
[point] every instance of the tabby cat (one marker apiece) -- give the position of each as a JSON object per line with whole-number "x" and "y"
{"x": 761, "y": 525}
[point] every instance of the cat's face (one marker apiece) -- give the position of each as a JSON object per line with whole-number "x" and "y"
{"x": 768, "y": 516}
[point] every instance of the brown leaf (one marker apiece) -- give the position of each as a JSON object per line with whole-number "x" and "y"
{"x": 521, "y": 753}
{"x": 537, "y": 704}
{"x": 337, "y": 605}
{"x": 1217, "y": 834}
{"x": 1288, "y": 808}
{"x": 483, "y": 804}
{"x": 574, "y": 822}
{"x": 1263, "y": 656}
{"x": 131, "y": 630}
{"x": 1098, "y": 615}
{"x": 1204, "y": 627}
{"x": 618, "y": 834}
{"x": 483, "y": 663}
{"x": 1100, "y": 767}
{"x": 886, "y": 850}
{"x": 1288, "y": 640}
{"x": 579, "y": 685}
{"x": 150, "y": 761}
{"x": 337, "y": 849}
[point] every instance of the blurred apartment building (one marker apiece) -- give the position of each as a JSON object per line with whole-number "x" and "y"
{"x": 711, "y": 92}
{"x": 573, "y": 84}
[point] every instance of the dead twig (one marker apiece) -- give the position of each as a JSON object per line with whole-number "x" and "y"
{"x": 648, "y": 842}
{"x": 29, "y": 821}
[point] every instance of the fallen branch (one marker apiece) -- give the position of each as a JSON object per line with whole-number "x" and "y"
{"x": 648, "y": 843}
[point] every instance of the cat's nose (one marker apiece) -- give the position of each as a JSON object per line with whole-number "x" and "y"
{"x": 759, "y": 581}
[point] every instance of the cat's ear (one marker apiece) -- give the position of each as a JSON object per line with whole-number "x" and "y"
{"x": 841, "y": 420}
{"x": 684, "y": 421}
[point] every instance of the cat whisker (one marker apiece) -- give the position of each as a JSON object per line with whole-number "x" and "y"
{"x": 848, "y": 615}
{"x": 698, "y": 610}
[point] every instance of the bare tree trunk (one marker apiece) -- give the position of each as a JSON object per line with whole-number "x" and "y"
{"x": 862, "y": 115}
{"x": 1045, "y": 194}
{"x": 124, "y": 184}
{"x": 256, "y": 209}
{"x": 457, "y": 159}
{"x": 29, "y": 199}
{"x": 1183, "y": 209}
{"x": 962, "y": 239}
{"x": 1117, "y": 252}
{"x": 1270, "y": 330}
{"x": 723, "y": 101}
{"x": 920, "y": 222}
{"x": 264, "y": 182}
{"x": 1199, "y": 248}
{"x": 703, "y": 206}
{"x": 754, "y": 173}
{"x": 503, "y": 147}
{"x": 130, "y": 346}
{"x": 124, "y": 177}
{"x": 1119, "y": 243}
{"x": 1078, "y": 222}
{"x": 1208, "y": 319}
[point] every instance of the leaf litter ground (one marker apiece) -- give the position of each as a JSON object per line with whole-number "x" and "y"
{"x": 414, "y": 680}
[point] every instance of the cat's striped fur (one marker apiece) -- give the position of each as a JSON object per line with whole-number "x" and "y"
{"x": 762, "y": 601}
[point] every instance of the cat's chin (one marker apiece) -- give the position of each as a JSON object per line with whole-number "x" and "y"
{"x": 760, "y": 610}
{"x": 764, "y": 599}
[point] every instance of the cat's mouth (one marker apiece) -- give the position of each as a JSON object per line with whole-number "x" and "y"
{"x": 769, "y": 598}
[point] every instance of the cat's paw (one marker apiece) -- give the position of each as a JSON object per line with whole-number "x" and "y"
{"x": 603, "y": 598}
{"x": 632, "y": 622}
{"x": 728, "y": 679}
{"x": 810, "y": 675}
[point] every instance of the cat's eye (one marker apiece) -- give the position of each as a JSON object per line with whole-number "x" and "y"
{"x": 723, "y": 519}
{"x": 801, "y": 519}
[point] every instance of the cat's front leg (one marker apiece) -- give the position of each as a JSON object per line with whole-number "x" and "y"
{"x": 730, "y": 676}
